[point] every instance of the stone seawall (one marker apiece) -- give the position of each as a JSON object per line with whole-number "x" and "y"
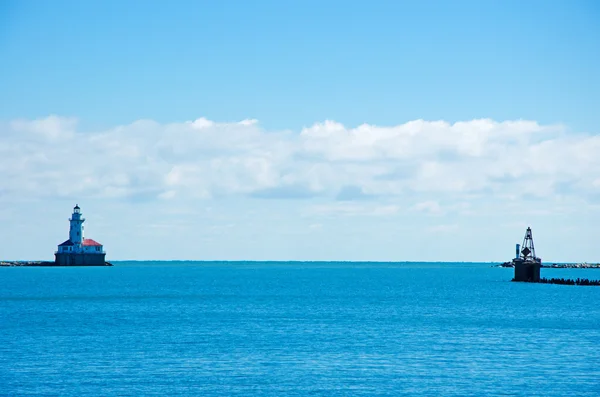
{"x": 566, "y": 281}
{"x": 572, "y": 266}
{"x": 42, "y": 263}
{"x": 559, "y": 265}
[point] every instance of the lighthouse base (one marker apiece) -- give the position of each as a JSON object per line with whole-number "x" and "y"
{"x": 79, "y": 259}
{"x": 527, "y": 270}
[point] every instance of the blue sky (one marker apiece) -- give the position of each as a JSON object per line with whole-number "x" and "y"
{"x": 289, "y": 64}
{"x": 292, "y": 66}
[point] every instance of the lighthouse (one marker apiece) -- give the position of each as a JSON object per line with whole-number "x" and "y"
{"x": 76, "y": 230}
{"x": 78, "y": 250}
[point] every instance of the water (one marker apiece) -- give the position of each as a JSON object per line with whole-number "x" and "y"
{"x": 296, "y": 329}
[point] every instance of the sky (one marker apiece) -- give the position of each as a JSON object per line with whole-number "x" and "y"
{"x": 313, "y": 130}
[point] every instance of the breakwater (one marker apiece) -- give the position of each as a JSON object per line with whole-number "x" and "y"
{"x": 559, "y": 265}
{"x": 37, "y": 263}
{"x": 567, "y": 281}
{"x": 573, "y": 266}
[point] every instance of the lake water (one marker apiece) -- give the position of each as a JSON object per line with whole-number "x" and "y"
{"x": 296, "y": 329}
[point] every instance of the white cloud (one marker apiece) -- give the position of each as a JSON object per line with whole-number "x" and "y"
{"x": 51, "y": 128}
{"x": 146, "y": 160}
{"x": 210, "y": 190}
{"x": 431, "y": 207}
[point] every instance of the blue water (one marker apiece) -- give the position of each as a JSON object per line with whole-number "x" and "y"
{"x": 296, "y": 329}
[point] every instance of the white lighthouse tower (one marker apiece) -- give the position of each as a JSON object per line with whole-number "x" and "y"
{"x": 76, "y": 231}
{"x": 78, "y": 250}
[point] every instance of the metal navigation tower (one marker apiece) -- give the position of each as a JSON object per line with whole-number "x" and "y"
{"x": 528, "y": 250}
{"x": 527, "y": 265}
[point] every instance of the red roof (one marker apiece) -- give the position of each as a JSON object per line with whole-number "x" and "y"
{"x": 90, "y": 242}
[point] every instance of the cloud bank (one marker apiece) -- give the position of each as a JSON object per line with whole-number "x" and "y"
{"x": 201, "y": 159}
{"x": 422, "y": 190}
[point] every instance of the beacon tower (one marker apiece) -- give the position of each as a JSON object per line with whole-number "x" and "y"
{"x": 78, "y": 250}
{"x": 527, "y": 265}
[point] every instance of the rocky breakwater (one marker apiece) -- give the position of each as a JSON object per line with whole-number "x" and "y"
{"x": 559, "y": 265}
{"x": 573, "y": 266}
{"x": 34, "y": 263}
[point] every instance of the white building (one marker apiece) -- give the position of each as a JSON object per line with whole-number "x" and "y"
{"x": 78, "y": 250}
